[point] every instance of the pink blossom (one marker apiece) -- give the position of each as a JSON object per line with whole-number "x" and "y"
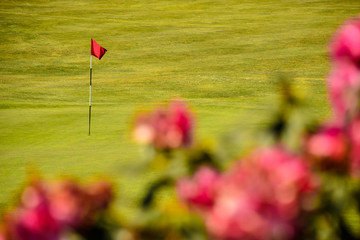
{"x": 344, "y": 79}
{"x": 344, "y": 87}
{"x": 47, "y": 211}
{"x": 181, "y": 121}
{"x": 33, "y": 219}
{"x": 336, "y": 147}
{"x": 167, "y": 128}
{"x": 328, "y": 146}
{"x": 346, "y": 42}
{"x": 198, "y": 192}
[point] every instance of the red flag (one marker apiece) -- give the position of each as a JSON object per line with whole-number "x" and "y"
{"x": 97, "y": 50}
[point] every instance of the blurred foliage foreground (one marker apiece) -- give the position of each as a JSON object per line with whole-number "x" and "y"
{"x": 276, "y": 190}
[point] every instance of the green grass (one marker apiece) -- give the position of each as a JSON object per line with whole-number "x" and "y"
{"x": 222, "y": 57}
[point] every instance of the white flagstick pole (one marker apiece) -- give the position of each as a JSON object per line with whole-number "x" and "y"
{"x": 90, "y": 93}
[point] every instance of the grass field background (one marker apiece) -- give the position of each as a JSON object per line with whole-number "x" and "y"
{"x": 222, "y": 57}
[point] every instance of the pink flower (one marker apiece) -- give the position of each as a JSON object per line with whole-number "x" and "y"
{"x": 328, "y": 146}
{"x": 33, "y": 219}
{"x": 336, "y": 147}
{"x": 344, "y": 79}
{"x": 166, "y": 128}
{"x": 344, "y": 87}
{"x": 47, "y": 211}
{"x": 181, "y": 121}
{"x": 346, "y": 42}
{"x": 198, "y": 192}
{"x": 259, "y": 198}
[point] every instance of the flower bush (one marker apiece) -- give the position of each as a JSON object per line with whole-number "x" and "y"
{"x": 343, "y": 82}
{"x": 260, "y": 197}
{"x": 274, "y": 192}
{"x": 51, "y": 211}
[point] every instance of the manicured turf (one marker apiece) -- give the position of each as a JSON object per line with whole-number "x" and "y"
{"x": 222, "y": 57}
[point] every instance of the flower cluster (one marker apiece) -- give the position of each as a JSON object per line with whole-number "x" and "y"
{"x": 344, "y": 78}
{"x": 48, "y": 211}
{"x": 336, "y": 144}
{"x": 166, "y": 128}
{"x": 336, "y": 147}
{"x": 260, "y": 197}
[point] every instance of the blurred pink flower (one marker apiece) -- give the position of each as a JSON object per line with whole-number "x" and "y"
{"x": 166, "y": 128}
{"x": 33, "y": 220}
{"x": 346, "y": 42}
{"x": 181, "y": 121}
{"x": 259, "y": 198}
{"x": 344, "y": 79}
{"x": 47, "y": 211}
{"x": 342, "y": 146}
{"x": 198, "y": 192}
{"x": 344, "y": 88}
{"x": 336, "y": 147}
{"x": 328, "y": 144}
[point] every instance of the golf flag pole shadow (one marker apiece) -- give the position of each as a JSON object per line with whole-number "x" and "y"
{"x": 97, "y": 51}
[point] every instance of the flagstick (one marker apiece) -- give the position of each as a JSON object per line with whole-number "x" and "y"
{"x": 90, "y": 93}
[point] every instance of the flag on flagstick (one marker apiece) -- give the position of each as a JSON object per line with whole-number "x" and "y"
{"x": 97, "y": 51}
